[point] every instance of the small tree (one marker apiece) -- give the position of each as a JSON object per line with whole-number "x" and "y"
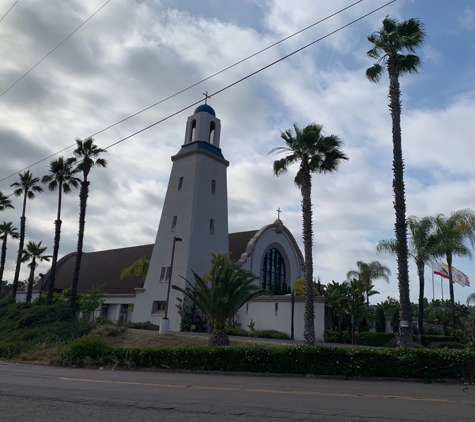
{"x": 93, "y": 300}
{"x": 6, "y": 230}
{"x": 221, "y": 293}
{"x": 33, "y": 254}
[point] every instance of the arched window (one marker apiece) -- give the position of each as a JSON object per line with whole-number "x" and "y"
{"x": 273, "y": 272}
{"x": 193, "y": 131}
{"x": 211, "y": 133}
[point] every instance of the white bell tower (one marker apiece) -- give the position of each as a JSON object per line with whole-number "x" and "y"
{"x": 196, "y": 211}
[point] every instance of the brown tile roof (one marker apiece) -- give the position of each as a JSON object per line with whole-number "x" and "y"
{"x": 104, "y": 267}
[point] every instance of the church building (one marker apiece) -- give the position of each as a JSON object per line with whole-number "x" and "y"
{"x": 193, "y": 225}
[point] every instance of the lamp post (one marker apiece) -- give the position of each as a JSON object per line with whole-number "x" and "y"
{"x": 165, "y": 322}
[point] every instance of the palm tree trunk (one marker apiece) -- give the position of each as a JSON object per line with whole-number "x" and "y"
{"x": 30, "y": 281}
{"x": 4, "y": 254}
{"x": 83, "y": 194}
{"x": 57, "y": 237}
{"x": 20, "y": 248}
{"x": 452, "y": 297}
{"x": 219, "y": 338}
{"x": 307, "y": 234}
{"x": 420, "y": 322}
{"x": 405, "y": 334}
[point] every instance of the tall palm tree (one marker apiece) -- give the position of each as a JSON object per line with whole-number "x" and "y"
{"x": 87, "y": 156}
{"x": 27, "y": 186}
{"x": 6, "y": 229}
{"x": 452, "y": 233}
{"x": 316, "y": 153}
{"x": 5, "y": 203}
{"x": 33, "y": 254}
{"x": 61, "y": 177}
{"x": 367, "y": 273}
{"x": 390, "y": 47}
{"x": 422, "y": 242}
{"x": 221, "y": 293}
{"x": 139, "y": 268}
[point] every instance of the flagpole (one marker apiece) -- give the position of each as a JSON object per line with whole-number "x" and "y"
{"x": 442, "y": 287}
{"x": 433, "y": 289}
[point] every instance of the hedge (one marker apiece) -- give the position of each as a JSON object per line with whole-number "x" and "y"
{"x": 320, "y": 360}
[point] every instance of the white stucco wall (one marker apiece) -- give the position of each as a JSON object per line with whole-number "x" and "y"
{"x": 262, "y": 312}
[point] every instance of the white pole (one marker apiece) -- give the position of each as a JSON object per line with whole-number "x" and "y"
{"x": 442, "y": 287}
{"x": 433, "y": 290}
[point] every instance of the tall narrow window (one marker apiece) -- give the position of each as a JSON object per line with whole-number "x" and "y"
{"x": 193, "y": 131}
{"x": 162, "y": 273}
{"x": 247, "y": 308}
{"x": 211, "y": 226}
{"x": 273, "y": 272}
{"x": 168, "y": 273}
{"x": 276, "y": 310}
{"x": 175, "y": 218}
{"x": 180, "y": 183}
{"x": 211, "y": 133}
{"x": 213, "y": 187}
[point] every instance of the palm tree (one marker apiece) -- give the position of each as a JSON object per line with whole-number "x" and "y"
{"x": 61, "y": 176}
{"x": 6, "y": 229}
{"x": 221, "y": 293}
{"x": 452, "y": 233}
{"x": 27, "y": 186}
{"x": 138, "y": 268}
{"x": 87, "y": 156}
{"x": 316, "y": 153}
{"x": 5, "y": 202}
{"x": 367, "y": 273}
{"x": 391, "y": 45}
{"x": 421, "y": 248}
{"x": 34, "y": 253}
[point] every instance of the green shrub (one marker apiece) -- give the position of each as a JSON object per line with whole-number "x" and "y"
{"x": 427, "y": 339}
{"x": 375, "y": 339}
{"x": 141, "y": 325}
{"x": 271, "y": 334}
{"x": 234, "y": 331}
{"x": 334, "y": 336}
{"x": 445, "y": 345}
{"x": 91, "y": 347}
{"x": 320, "y": 360}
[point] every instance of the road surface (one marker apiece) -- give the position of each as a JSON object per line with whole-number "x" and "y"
{"x": 41, "y": 393}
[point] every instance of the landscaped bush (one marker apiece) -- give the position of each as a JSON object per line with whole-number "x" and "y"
{"x": 334, "y": 336}
{"x": 234, "y": 331}
{"x": 141, "y": 325}
{"x": 445, "y": 345}
{"x": 89, "y": 348}
{"x": 348, "y": 362}
{"x": 427, "y": 339}
{"x": 376, "y": 339}
{"x": 271, "y": 334}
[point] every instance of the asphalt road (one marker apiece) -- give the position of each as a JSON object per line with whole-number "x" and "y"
{"x": 40, "y": 393}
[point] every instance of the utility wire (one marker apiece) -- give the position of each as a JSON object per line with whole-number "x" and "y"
{"x": 217, "y": 92}
{"x": 251, "y": 74}
{"x": 62, "y": 42}
{"x": 8, "y": 11}
{"x": 189, "y": 87}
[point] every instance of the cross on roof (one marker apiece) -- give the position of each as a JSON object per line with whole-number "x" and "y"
{"x": 278, "y": 213}
{"x": 206, "y": 96}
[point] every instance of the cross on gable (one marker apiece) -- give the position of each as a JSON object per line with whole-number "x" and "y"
{"x": 206, "y": 96}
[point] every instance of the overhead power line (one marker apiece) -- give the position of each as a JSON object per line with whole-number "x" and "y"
{"x": 8, "y": 11}
{"x": 217, "y": 92}
{"x": 62, "y": 42}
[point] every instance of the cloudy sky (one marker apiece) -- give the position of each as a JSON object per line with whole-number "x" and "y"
{"x": 133, "y": 54}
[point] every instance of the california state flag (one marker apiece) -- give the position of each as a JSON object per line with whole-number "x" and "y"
{"x": 442, "y": 269}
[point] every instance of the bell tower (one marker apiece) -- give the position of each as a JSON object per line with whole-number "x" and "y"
{"x": 196, "y": 211}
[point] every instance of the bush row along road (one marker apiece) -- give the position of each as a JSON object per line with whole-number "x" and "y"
{"x": 41, "y": 393}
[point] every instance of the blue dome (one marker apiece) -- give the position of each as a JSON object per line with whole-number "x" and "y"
{"x": 205, "y": 108}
